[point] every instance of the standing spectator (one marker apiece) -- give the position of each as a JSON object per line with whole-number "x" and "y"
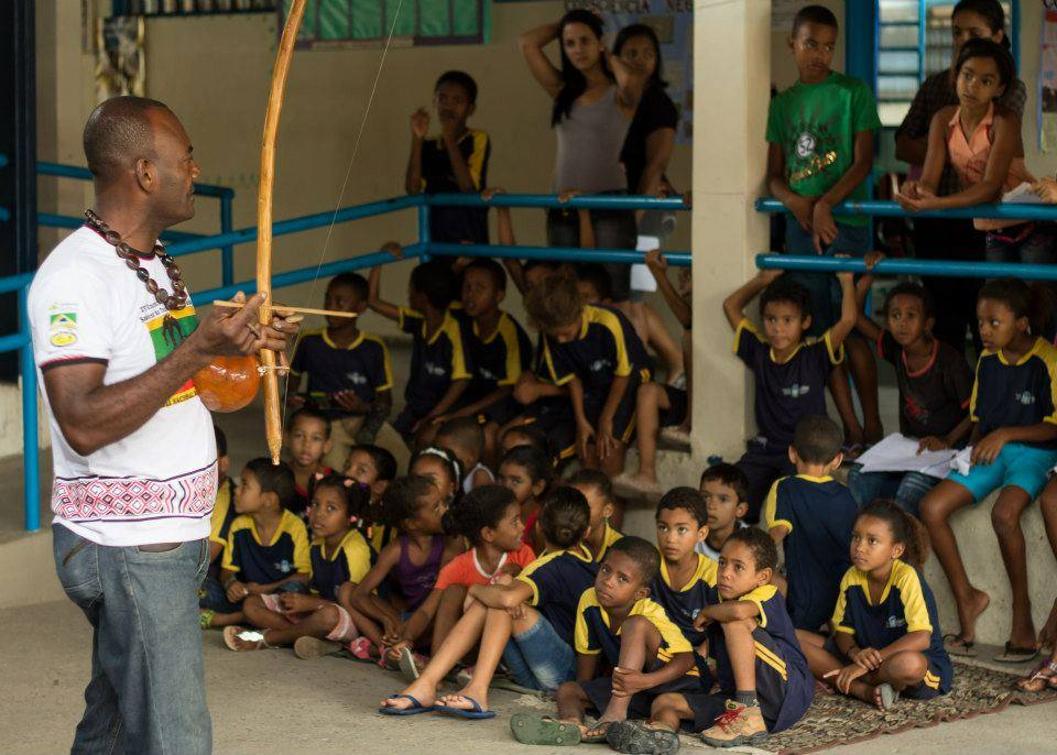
{"x": 595, "y": 96}
{"x": 954, "y": 239}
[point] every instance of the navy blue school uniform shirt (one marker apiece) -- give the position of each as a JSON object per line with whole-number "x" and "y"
{"x": 457, "y": 224}
{"x": 906, "y": 605}
{"x": 558, "y": 580}
{"x": 362, "y": 367}
{"x": 934, "y": 399}
{"x": 255, "y": 561}
{"x": 596, "y": 635}
{"x": 1016, "y": 394}
{"x": 437, "y": 360}
{"x": 349, "y": 562}
{"x": 788, "y": 391}
{"x": 781, "y": 668}
{"x": 606, "y": 347}
{"x": 683, "y": 605}
{"x": 498, "y": 360}
{"x": 820, "y": 514}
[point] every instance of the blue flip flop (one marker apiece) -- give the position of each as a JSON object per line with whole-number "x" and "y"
{"x": 414, "y": 710}
{"x": 477, "y": 713}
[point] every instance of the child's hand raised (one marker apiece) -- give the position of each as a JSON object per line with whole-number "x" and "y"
{"x": 394, "y": 249}
{"x": 768, "y": 276}
{"x": 420, "y": 123}
{"x": 568, "y": 194}
{"x": 656, "y": 262}
{"x": 491, "y": 191}
{"x": 846, "y": 277}
{"x": 872, "y": 258}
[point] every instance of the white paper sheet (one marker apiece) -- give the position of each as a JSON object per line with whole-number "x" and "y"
{"x": 1022, "y": 194}
{"x": 898, "y": 453}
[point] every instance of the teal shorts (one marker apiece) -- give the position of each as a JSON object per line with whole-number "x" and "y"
{"x": 1025, "y": 467}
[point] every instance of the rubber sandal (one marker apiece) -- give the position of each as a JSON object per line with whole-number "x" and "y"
{"x": 476, "y": 713}
{"x": 313, "y": 647}
{"x": 1041, "y": 677}
{"x": 888, "y": 694}
{"x": 205, "y": 618}
{"x": 414, "y": 710}
{"x": 233, "y": 631}
{"x": 408, "y": 664}
{"x": 1014, "y": 654}
{"x": 636, "y": 738}
{"x": 534, "y": 729}
{"x": 955, "y": 645}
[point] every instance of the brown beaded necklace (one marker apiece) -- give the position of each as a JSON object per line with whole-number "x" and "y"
{"x": 172, "y": 302}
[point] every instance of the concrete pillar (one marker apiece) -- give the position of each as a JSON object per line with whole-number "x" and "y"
{"x": 732, "y": 70}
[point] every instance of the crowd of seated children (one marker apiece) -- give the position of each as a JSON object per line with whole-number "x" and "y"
{"x": 534, "y": 642}
{"x": 811, "y": 515}
{"x": 349, "y": 376}
{"x": 339, "y": 553}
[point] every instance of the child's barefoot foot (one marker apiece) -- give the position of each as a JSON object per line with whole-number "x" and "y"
{"x": 234, "y": 642}
{"x": 968, "y": 613}
{"x": 885, "y": 696}
{"x": 595, "y": 734}
{"x": 473, "y": 702}
{"x": 638, "y": 484}
{"x": 419, "y": 690}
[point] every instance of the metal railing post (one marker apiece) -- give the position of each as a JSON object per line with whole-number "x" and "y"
{"x": 30, "y": 444}
{"x": 424, "y": 237}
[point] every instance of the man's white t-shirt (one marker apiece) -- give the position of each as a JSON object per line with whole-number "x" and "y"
{"x": 159, "y": 483}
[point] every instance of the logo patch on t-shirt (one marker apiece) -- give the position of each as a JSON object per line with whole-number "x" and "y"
{"x": 796, "y": 390}
{"x": 63, "y": 328}
{"x": 168, "y": 331}
{"x": 1027, "y": 398}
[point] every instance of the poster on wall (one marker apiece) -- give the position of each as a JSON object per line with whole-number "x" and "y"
{"x": 1048, "y": 83}
{"x": 673, "y": 20}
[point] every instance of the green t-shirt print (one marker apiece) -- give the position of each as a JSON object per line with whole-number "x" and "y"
{"x": 815, "y": 125}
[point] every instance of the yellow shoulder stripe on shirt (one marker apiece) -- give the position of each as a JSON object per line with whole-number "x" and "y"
{"x": 508, "y": 332}
{"x": 746, "y": 325}
{"x": 611, "y": 322}
{"x": 770, "y": 508}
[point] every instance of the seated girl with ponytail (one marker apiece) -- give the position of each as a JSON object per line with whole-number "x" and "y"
{"x": 339, "y": 554}
{"x": 887, "y": 640}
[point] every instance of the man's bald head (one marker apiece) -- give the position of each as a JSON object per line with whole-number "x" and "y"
{"x": 118, "y": 134}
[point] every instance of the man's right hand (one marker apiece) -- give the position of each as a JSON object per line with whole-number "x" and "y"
{"x": 236, "y": 332}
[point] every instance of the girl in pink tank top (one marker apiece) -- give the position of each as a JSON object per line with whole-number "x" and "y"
{"x": 981, "y": 140}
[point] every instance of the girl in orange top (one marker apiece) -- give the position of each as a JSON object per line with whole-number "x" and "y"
{"x": 981, "y": 140}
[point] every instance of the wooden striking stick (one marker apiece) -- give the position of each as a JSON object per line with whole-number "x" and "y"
{"x": 272, "y": 417}
{"x": 279, "y": 309}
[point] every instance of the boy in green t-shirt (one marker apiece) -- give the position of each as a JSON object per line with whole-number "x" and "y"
{"x": 820, "y": 152}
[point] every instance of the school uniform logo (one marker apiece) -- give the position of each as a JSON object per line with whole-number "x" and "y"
{"x": 1026, "y": 398}
{"x": 435, "y": 370}
{"x": 796, "y": 390}
{"x": 284, "y": 566}
{"x": 600, "y": 365}
{"x": 895, "y": 622}
{"x": 62, "y": 327}
{"x": 356, "y": 378}
{"x": 486, "y": 374}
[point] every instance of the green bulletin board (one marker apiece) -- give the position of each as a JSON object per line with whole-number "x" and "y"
{"x": 354, "y": 23}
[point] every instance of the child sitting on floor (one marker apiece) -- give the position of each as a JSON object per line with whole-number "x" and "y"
{"x": 442, "y": 468}
{"x": 349, "y": 374}
{"x": 791, "y": 372}
{"x": 267, "y": 546}
{"x": 439, "y": 373}
{"x": 410, "y": 565}
{"x": 887, "y": 640}
{"x": 522, "y": 435}
{"x": 528, "y": 623}
{"x": 307, "y": 443}
{"x": 761, "y": 670}
{"x": 596, "y": 353}
{"x": 464, "y": 436}
{"x": 598, "y": 491}
{"x": 935, "y": 386}
{"x": 812, "y": 515}
{"x": 647, "y": 652}
{"x": 489, "y": 517}
{"x": 338, "y": 554}
{"x": 527, "y": 472}
{"x": 725, "y": 490}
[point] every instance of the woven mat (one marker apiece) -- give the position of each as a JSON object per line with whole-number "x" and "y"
{"x": 839, "y": 720}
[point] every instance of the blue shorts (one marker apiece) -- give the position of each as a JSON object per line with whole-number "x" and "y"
{"x": 1019, "y": 465}
{"x": 539, "y": 658}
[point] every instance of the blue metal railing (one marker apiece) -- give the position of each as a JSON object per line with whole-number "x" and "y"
{"x": 425, "y": 247}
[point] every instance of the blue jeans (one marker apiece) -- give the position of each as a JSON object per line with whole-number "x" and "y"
{"x": 1025, "y": 242}
{"x": 905, "y": 488}
{"x": 147, "y": 691}
{"x": 539, "y": 659}
{"x": 824, "y": 288}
